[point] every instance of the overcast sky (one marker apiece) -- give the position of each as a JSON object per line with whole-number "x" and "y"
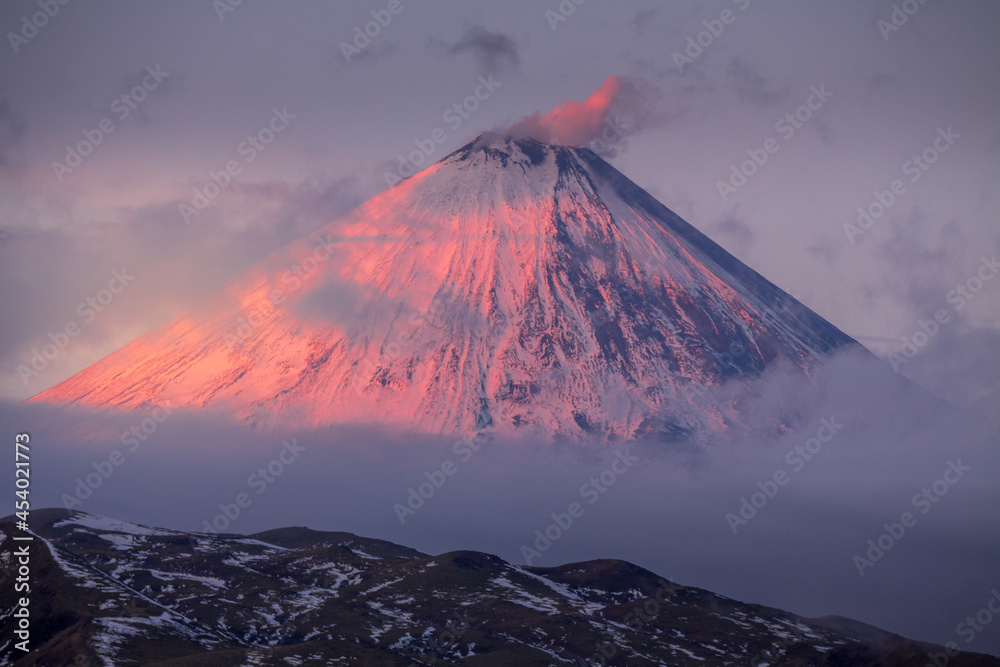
{"x": 94, "y": 185}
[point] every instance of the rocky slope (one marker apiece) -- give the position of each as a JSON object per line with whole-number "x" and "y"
{"x": 108, "y": 592}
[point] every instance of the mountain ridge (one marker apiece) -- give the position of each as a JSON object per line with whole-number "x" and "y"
{"x": 121, "y": 593}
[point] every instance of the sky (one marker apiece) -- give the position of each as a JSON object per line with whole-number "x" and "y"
{"x": 150, "y": 152}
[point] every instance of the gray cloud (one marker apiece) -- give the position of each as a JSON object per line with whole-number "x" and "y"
{"x": 644, "y": 18}
{"x": 134, "y": 79}
{"x": 739, "y": 231}
{"x": 922, "y": 259}
{"x": 958, "y": 362}
{"x": 879, "y": 80}
{"x": 751, "y": 86}
{"x": 492, "y": 51}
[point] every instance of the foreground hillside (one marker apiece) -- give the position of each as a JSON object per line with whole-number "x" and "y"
{"x": 110, "y": 592}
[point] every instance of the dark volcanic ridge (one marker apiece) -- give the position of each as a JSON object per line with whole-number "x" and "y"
{"x": 114, "y": 592}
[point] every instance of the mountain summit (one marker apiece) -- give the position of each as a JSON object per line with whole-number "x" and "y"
{"x": 512, "y": 285}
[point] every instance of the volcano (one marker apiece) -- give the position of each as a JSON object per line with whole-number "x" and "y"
{"x": 511, "y": 286}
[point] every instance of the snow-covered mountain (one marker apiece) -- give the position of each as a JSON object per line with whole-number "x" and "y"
{"x": 110, "y": 592}
{"x": 513, "y": 285}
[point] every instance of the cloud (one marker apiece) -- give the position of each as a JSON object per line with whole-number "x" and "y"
{"x": 493, "y": 51}
{"x": 926, "y": 258}
{"x": 751, "y": 86}
{"x": 879, "y": 80}
{"x": 959, "y": 364}
{"x": 740, "y": 232}
{"x": 644, "y": 18}
{"x": 135, "y": 79}
{"x": 619, "y": 108}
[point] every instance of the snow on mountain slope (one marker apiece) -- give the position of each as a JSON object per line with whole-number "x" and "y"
{"x": 302, "y": 597}
{"x": 512, "y": 285}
